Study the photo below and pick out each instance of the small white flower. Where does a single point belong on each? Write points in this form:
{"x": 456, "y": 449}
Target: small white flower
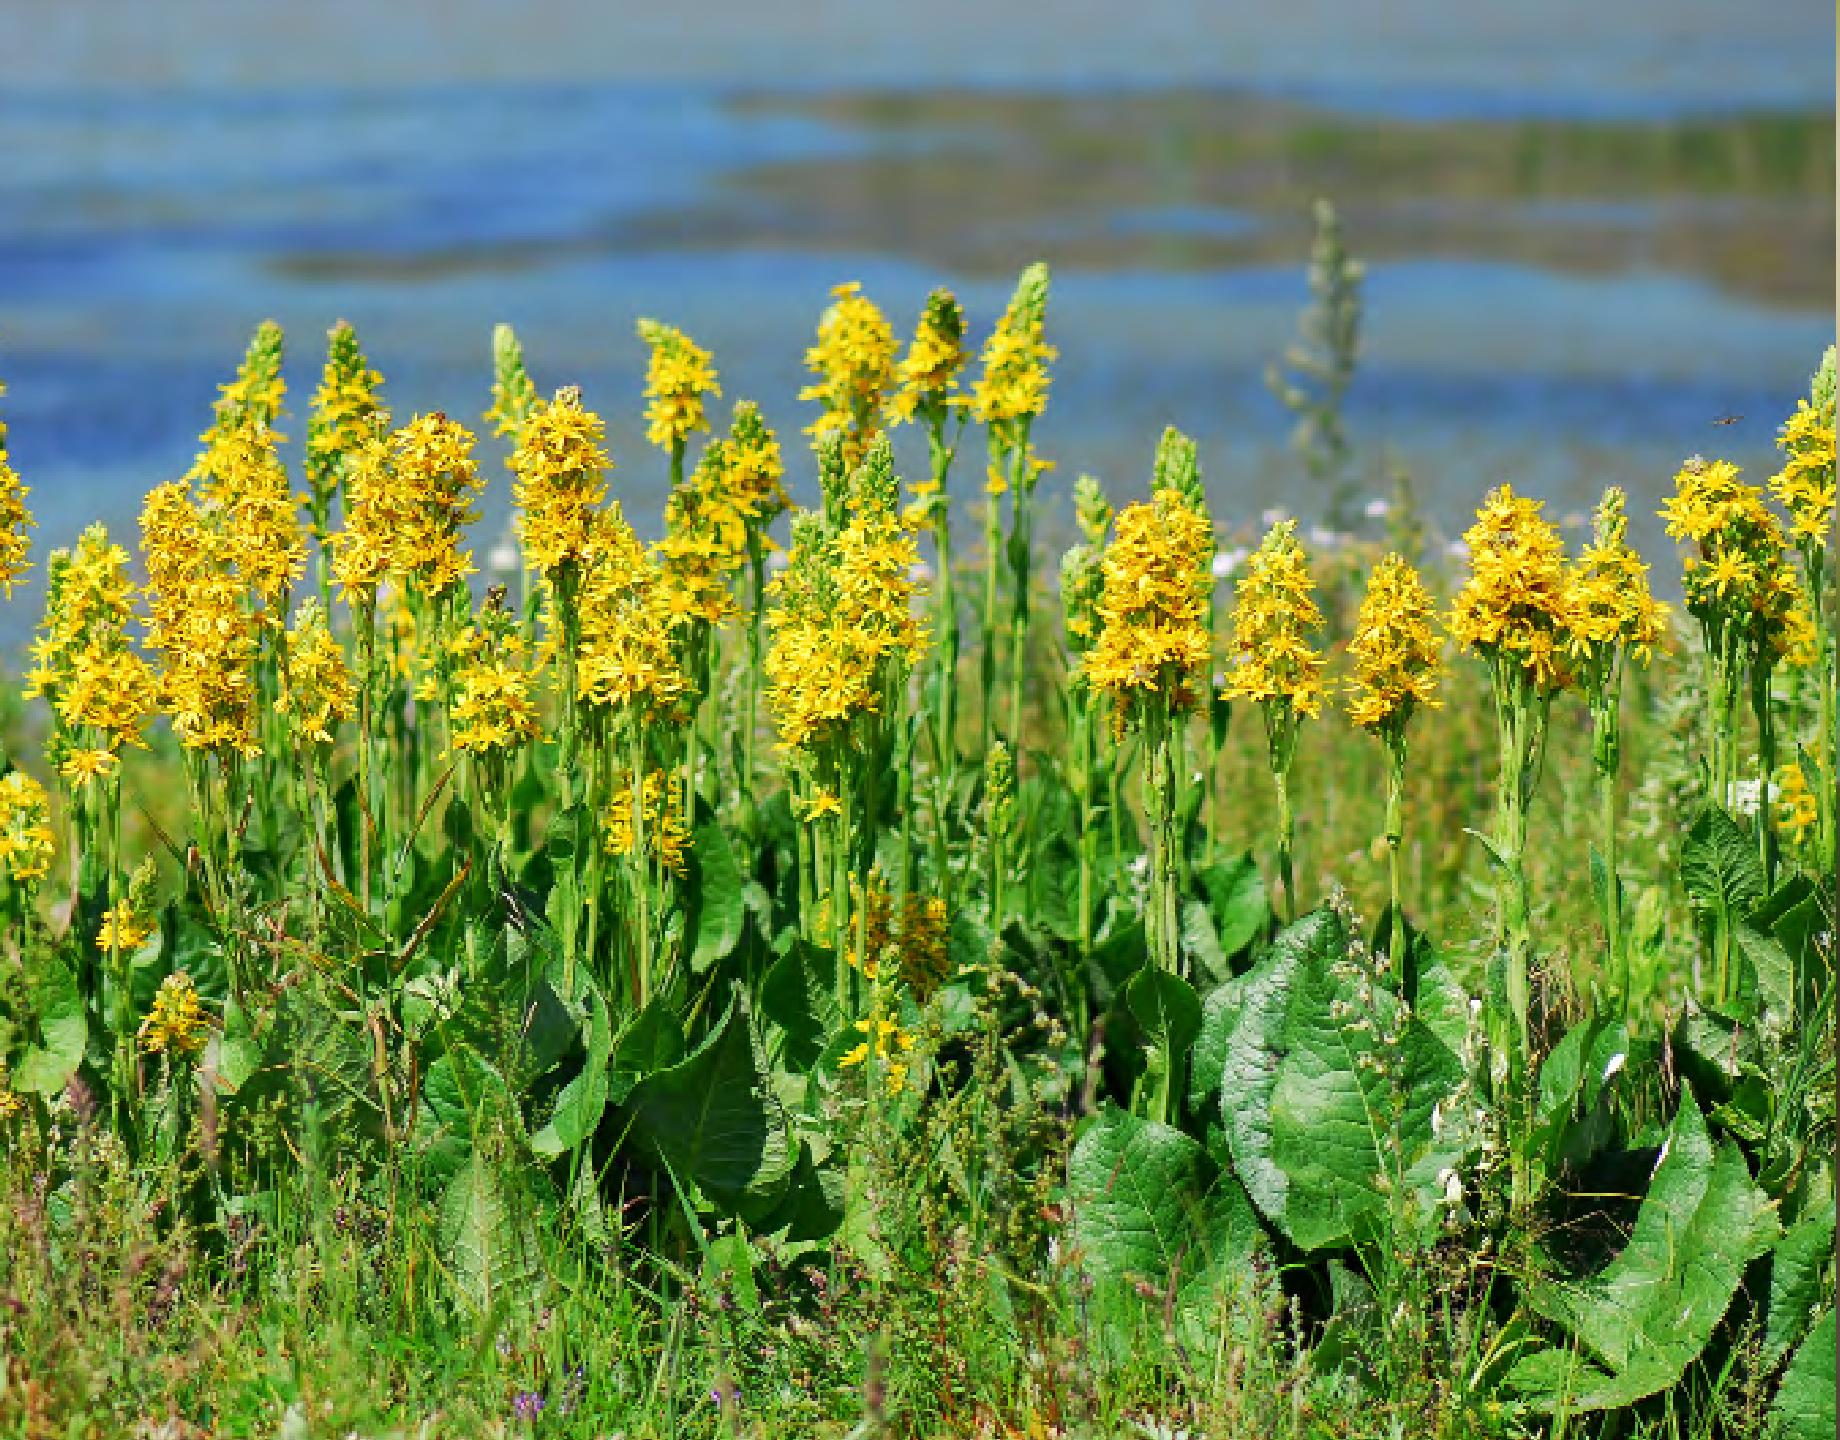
{"x": 1376, "y": 509}
{"x": 1457, "y": 550}
{"x": 504, "y": 559}
{"x": 1323, "y": 538}
{"x": 1274, "y": 516}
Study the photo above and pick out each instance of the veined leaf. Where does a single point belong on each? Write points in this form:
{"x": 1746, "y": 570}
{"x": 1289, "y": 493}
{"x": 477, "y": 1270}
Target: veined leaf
{"x": 57, "y": 1007}
{"x": 1208, "y": 1059}
{"x": 719, "y": 905}
{"x": 1257, "y": 1046}
{"x": 1802, "y": 1258}
{"x": 1719, "y": 865}
{"x": 1647, "y": 1315}
{"x": 1167, "y": 1008}
{"x": 715, "y": 1119}
{"x": 1805, "y": 1401}
{"x": 583, "y": 1100}
{"x": 490, "y": 1247}
{"x": 1237, "y": 902}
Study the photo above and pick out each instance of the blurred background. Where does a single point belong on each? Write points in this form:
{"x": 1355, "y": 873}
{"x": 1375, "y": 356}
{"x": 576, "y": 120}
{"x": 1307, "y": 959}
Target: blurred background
{"x": 1591, "y": 229}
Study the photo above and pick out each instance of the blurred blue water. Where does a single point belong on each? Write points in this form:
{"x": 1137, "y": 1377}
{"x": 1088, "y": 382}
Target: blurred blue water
{"x": 165, "y": 190}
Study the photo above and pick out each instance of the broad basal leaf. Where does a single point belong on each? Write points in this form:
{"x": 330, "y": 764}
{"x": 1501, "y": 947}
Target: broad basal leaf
{"x": 488, "y": 1244}
{"x": 1805, "y": 1401}
{"x": 714, "y": 1118}
{"x": 1646, "y": 1316}
{"x": 718, "y": 905}
{"x": 57, "y": 1014}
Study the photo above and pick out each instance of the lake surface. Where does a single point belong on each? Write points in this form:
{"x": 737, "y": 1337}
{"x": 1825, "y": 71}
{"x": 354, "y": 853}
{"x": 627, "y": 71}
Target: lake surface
{"x": 1591, "y": 230}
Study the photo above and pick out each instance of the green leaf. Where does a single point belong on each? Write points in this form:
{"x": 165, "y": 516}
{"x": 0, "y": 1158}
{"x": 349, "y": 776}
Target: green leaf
{"x": 714, "y": 1118}
{"x": 1648, "y": 1314}
{"x": 1797, "y": 1269}
{"x": 719, "y": 905}
{"x": 1257, "y": 1044}
{"x": 583, "y": 1100}
{"x": 1208, "y": 1059}
{"x": 1149, "y": 1207}
{"x": 1769, "y": 970}
{"x": 1719, "y": 865}
{"x": 1167, "y": 1008}
{"x": 1201, "y": 944}
{"x": 1236, "y": 896}
{"x": 651, "y": 1041}
{"x": 57, "y": 1010}
{"x": 798, "y": 997}
{"x": 489, "y": 1246}
{"x": 1805, "y": 1401}
{"x": 1363, "y": 1123}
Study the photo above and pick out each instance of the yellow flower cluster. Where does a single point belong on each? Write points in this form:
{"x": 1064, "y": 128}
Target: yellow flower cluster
{"x": 1806, "y": 485}
{"x": 27, "y": 845}
{"x": 627, "y": 661}
{"x": 199, "y": 626}
{"x": 928, "y": 373}
{"x": 492, "y": 709}
{"x": 677, "y": 377}
{"x": 1516, "y": 606}
{"x": 1274, "y": 615}
{"x": 667, "y": 839}
{"x": 408, "y": 498}
{"x": 704, "y": 544}
{"x": 99, "y": 686}
{"x": 756, "y": 477}
{"x": 317, "y": 691}
{"x": 888, "y": 1042}
{"x": 561, "y": 469}
{"x": 1153, "y": 606}
{"x": 124, "y": 929}
{"x": 1014, "y": 385}
{"x": 514, "y": 395}
{"x": 1739, "y": 583}
{"x": 1396, "y": 650}
{"x": 10, "y": 1102}
{"x": 176, "y": 1026}
{"x": 245, "y": 498}
{"x": 1612, "y": 609}
{"x": 854, "y": 363}
{"x": 912, "y": 937}
{"x": 346, "y": 414}
{"x": 15, "y": 519}
{"x": 1797, "y": 810}
{"x": 255, "y": 395}
{"x": 843, "y": 622}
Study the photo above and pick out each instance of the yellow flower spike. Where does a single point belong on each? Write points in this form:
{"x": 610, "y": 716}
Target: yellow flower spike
{"x": 1153, "y": 606}
{"x": 318, "y": 693}
{"x": 176, "y": 1027}
{"x": 514, "y": 394}
{"x": 27, "y": 845}
{"x": 123, "y": 929}
{"x": 561, "y": 468}
{"x": 627, "y": 660}
{"x": 928, "y": 374}
{"x": 1274, "y": 615}
{"x": 1517, "y": 601}
{"x": 15, "y": 520}
{"x": 436, "y": 488}
{"x": 667, "y": 837}
{"x": 1014, "y": 382}
{"x": 1396, "y": 649}
{"x": 678, "y": 375}
{"x": 854, "y": 365}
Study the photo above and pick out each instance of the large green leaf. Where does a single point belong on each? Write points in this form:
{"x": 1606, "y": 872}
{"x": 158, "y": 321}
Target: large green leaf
{"x": 1805, "y": 1402}
{"x": 487, "y": 1243}
{"x": 57, "y": 1011}
{"x": 1363, "y": 1123}
{"x": 1208, "y": 1059}
{"x": 1256, "y": 1047}
{"x": 1798, "y": 1269}
{"x": 1149, "y": 1208}
{"x": 1648, "y": 1314}
{"x": 1719, "y": 865}
{"x": 718, "y": 905}
{"x": 715, "y": 1120}
{"x": 798, "y": 996}
{"x": 1237, "y": 901}
{"x": 583, "y": 1100}
{"x": 1167, "y": 1008}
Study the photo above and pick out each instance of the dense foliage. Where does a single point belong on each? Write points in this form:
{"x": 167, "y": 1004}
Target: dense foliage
{"x": 792, "y": 978}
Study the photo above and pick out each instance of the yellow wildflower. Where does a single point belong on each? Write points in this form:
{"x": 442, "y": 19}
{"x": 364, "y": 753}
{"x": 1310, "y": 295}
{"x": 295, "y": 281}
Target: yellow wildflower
{"x": 1395, "y": 648}
{"x": 176, "y": 1026}
{"x": 346, "y": 415}
{"x": 1612, "y": 608}
{"x": 854, "y": 363}
{"x": 887, "y": 1042}
{"x": 1014, "y": 385}
{"x": 1153, "y": 606}
{"x": 677, "y": 377}
{"x": 436, "y": 488}
{"x": 317, "y": 690}
{"x": 1797, "y": 811}
{"x": 27, "y": 845}
{"x": 15, "y": 519}
{"x": 1739, "y": 583}
{"x": 928, "y": 373}
{"x": 1274, "y": 615}
{"x": 561, "y": 469}
{"x": 1516, "y": 605}
{"x": 667, "y": 838}
{"x": 1805, "y": 485}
